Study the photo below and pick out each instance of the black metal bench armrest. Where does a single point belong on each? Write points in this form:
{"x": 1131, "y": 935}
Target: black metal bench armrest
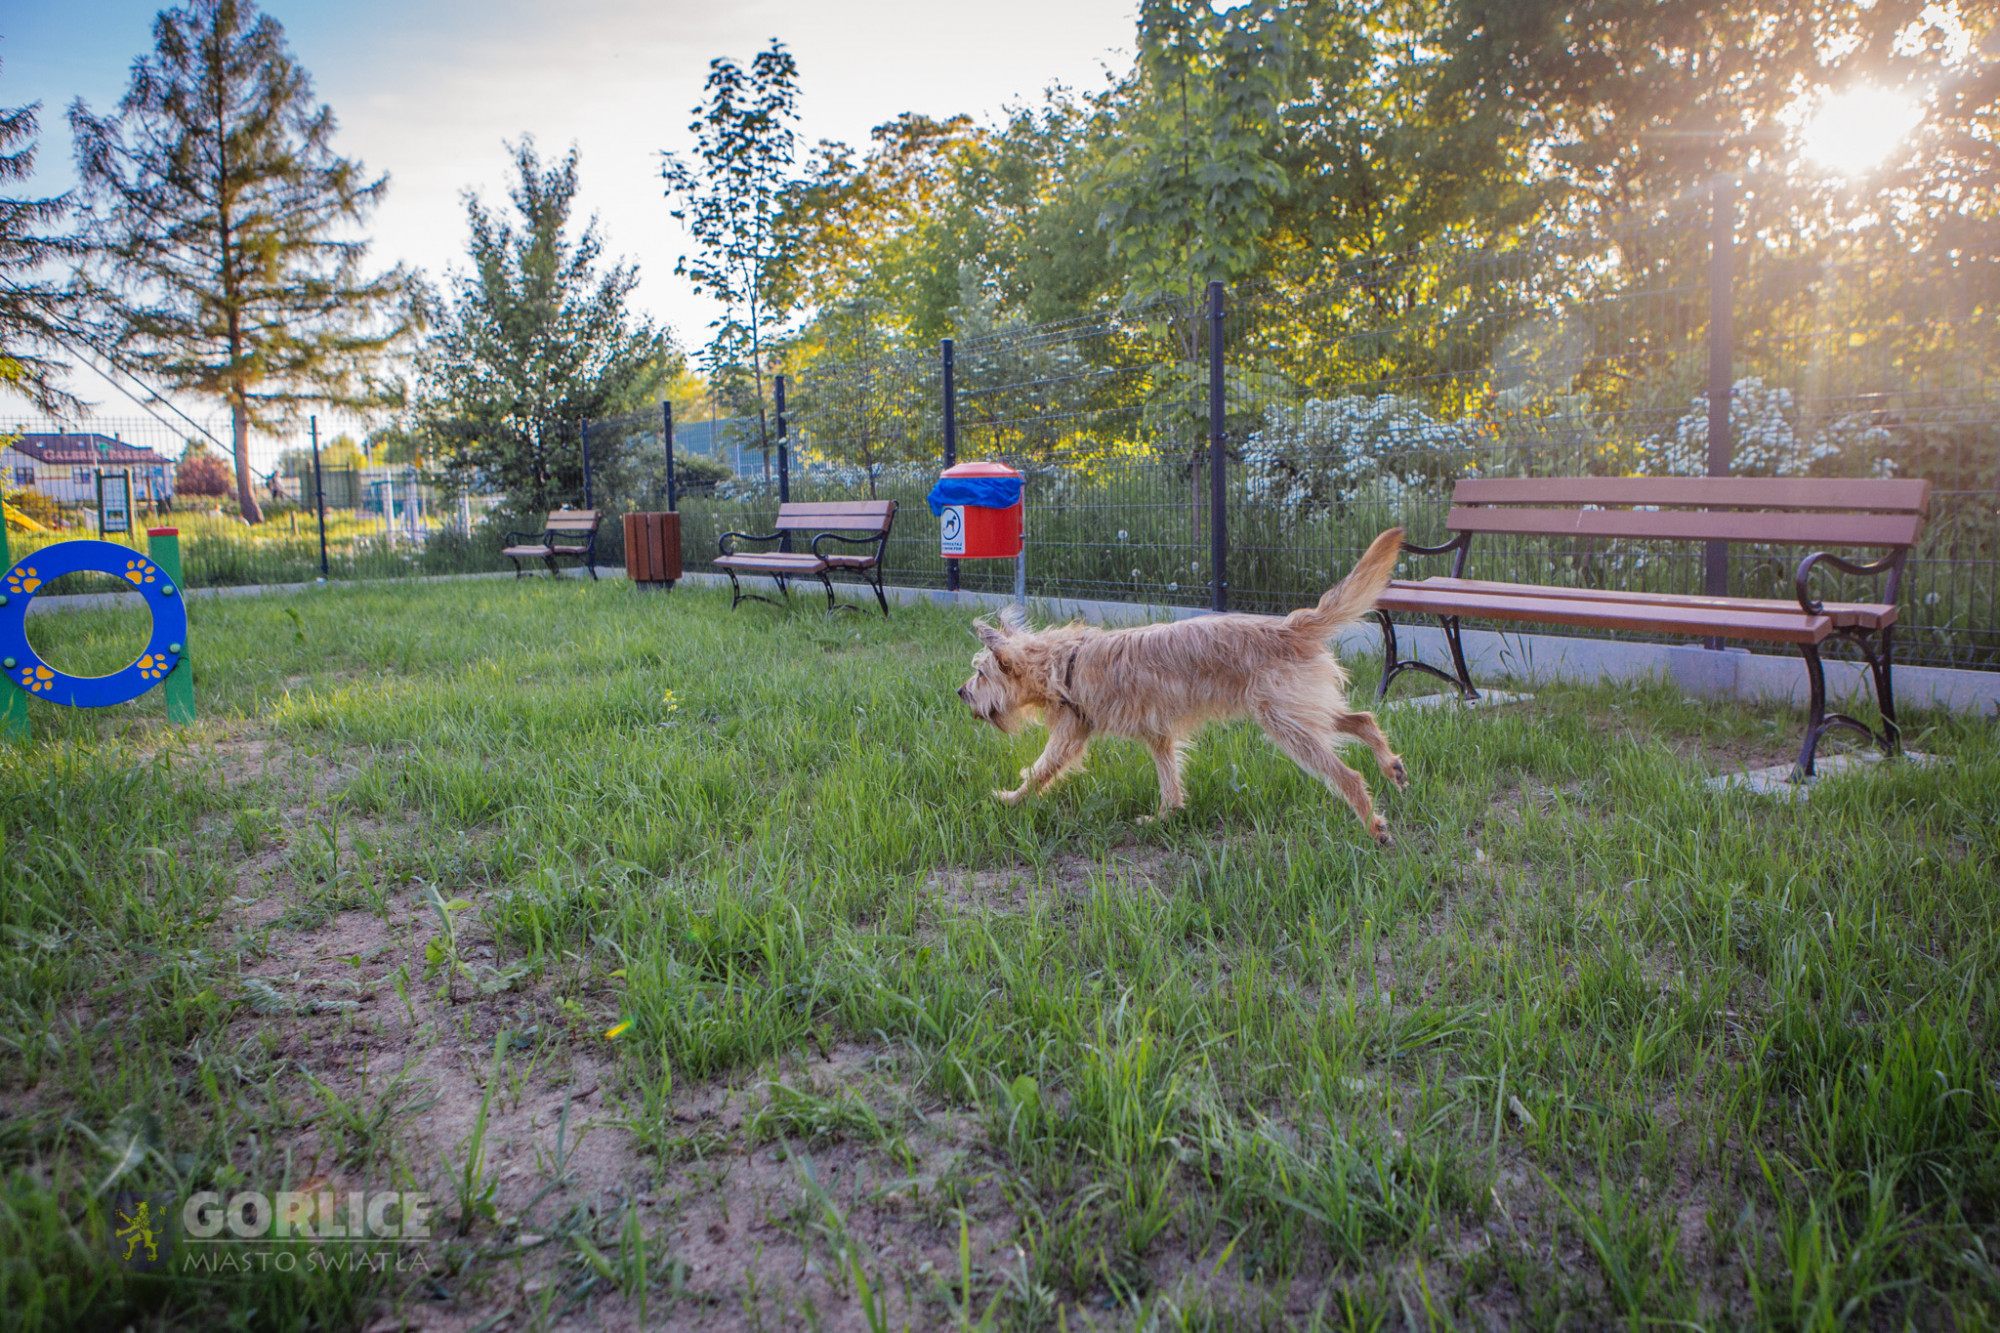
{"x": 1891, "y": 565}
{"x": 542, "y": 537}
{"x": 1462, "y": 544}
{"x": 723, "y": 540}
{"x": 877, "y": 539}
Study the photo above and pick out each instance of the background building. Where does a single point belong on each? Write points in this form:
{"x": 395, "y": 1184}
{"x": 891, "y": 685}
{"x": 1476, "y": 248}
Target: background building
{"x": 64, "y": 467}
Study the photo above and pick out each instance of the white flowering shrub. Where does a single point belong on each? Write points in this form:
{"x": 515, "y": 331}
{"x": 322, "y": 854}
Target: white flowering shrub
{"x": 1533, "y": 432}
{"x": 1325, "y": 453}
{"x": 1767, "y": 441}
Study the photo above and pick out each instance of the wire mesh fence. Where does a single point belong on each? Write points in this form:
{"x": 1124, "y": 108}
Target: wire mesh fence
{"x": 379, "y": 520}
{"x": 1348, "y": 404}
{"x": 1353, "y": 404}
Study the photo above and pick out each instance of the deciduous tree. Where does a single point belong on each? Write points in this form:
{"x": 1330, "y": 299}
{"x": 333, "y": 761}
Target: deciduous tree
{"x": 532, "y": 338}
{"x": 730, "y": 196}
{"x": 201, "y": 471}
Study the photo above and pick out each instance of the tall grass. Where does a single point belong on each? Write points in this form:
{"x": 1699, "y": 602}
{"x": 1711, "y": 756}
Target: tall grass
{"x": 1593, "y": 1045}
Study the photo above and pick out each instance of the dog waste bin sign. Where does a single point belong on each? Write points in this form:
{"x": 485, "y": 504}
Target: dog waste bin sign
{"x": 978, "y": 508}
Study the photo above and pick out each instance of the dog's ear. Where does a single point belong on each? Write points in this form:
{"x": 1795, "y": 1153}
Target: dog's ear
{"x": 1000, "y": 645}
{"x": 1013, "y": 620}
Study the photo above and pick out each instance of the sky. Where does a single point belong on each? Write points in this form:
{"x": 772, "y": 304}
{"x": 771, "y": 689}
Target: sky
{"x": 429, "y": 91}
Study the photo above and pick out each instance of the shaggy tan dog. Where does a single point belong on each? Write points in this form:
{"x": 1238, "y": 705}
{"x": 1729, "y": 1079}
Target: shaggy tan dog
{"x": 1162, "y": 683}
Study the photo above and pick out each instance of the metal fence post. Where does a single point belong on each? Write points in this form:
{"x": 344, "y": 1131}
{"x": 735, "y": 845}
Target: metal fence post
{"x": 667, "y": 423}
{"x": 584, "y": 427}
{"x": 1218, "y": 459}
{"x": 947, "y": 354}
{"x": 784, "y": 455}
{"x": 1721, "y": 243}
{"x": 319, "y": 496}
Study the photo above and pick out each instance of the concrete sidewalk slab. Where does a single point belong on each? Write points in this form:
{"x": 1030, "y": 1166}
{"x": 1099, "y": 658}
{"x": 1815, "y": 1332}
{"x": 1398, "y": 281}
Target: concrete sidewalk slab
{"x": 1777, "y": 779}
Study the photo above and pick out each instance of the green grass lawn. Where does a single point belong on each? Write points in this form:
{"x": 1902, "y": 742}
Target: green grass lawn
{"x": 1592, "y": 1045}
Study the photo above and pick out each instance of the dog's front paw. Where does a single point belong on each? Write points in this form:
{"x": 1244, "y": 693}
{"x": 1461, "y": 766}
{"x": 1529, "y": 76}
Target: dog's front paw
{"x": 1399, "y": 774}
{"x": 1007, "y": 797}
{"x": 1380, "y": 828}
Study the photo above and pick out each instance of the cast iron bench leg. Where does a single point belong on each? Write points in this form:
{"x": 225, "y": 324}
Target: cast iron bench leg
{"x": 1885, "y": 693}
{"x": 1818, "y": 721}
{"x": 1392, "y": 667}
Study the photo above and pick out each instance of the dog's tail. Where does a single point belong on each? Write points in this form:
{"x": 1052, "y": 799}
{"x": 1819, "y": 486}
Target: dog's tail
{"x": 1351, "y": 598}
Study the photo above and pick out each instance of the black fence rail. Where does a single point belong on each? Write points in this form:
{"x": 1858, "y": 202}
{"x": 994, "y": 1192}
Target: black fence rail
{"x": 346, "y": 518}
{"x": 1685, "y": 343}
{"x": 1239, "y": 449}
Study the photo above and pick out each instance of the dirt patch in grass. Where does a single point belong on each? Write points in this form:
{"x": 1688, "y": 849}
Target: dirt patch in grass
{"x": 1069, "y": 880}
{"x": 757, "y": 1201}
{"x": 832, "y": 1162}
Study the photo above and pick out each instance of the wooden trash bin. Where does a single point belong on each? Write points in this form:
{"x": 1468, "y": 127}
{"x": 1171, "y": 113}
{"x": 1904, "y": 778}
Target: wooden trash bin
{"x": 653, "y": 550}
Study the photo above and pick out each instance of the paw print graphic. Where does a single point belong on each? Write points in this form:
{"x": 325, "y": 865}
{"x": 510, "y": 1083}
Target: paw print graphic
{"x": 139, "y": 571}
{"x": 37, "y": 680}
{"x": 154, "y": 665}
{"x": 22, "y": 579}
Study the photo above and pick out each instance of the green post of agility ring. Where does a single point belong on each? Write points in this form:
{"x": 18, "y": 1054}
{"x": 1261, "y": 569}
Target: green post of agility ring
{"x": 165, "y": 546}
{"x": 155, "y": 577}
{"x": 14, "y": 724}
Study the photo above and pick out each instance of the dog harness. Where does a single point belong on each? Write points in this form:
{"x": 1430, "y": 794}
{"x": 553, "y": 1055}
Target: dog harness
{"x": 1069, "y": 683}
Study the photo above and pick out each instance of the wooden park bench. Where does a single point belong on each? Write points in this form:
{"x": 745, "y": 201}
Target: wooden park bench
{"x": 570, "y": 534}
{"x": 828, "y": 520}
{"x": 1885, "y": 516}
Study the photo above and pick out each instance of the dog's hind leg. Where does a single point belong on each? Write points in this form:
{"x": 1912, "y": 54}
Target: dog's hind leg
{"x": 1311, "y": 749}
{"x": 1364, "y": 728}
{"x": 1167, "y": 759}
{"x": 1068, "y": 740}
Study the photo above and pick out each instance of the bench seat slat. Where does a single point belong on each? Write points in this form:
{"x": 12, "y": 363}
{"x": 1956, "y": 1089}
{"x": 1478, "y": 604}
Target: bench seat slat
{"x": 1893, "y": 495}
{"x": 793, "y": 520}
{"x": 527, "y": 552}
{"x": 865, "y": 507}
{"x": 1777, "y": 529}
{"x": 779, "y": 561}
{"x": 1870, "y": 615}
{"x": 1658, "y": 618}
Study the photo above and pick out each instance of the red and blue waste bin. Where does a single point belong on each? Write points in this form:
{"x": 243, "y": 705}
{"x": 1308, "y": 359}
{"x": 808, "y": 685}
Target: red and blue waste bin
{"x": 978, "y": 507}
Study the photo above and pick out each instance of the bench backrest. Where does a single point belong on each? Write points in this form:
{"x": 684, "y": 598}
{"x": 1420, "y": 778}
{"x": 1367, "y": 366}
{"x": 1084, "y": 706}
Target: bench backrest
{"x": 578, "y": 521}
{"x": 836, "y": 516}
{"x": 1802, "y": 511}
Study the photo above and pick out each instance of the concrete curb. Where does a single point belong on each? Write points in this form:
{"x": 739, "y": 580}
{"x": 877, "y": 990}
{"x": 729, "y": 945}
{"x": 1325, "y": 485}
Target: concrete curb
{"x": 1491, "y": 655}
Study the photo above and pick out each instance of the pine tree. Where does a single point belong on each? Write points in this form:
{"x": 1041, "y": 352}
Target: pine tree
{"x": 32, "y": 323}
{"x": 225, "y": 221}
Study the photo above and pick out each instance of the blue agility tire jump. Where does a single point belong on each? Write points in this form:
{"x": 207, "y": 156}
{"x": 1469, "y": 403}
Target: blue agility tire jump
{"x": 25, "y": 667}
